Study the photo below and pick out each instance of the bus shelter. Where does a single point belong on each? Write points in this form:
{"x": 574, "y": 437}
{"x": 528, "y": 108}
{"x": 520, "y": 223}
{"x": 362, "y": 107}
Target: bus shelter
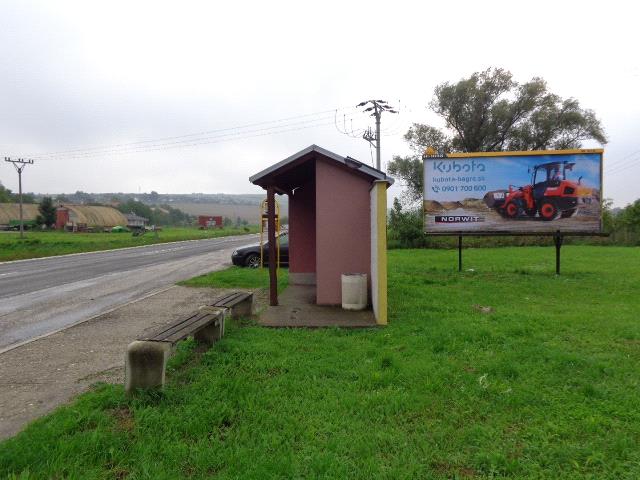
{"x": 337, "y": 224}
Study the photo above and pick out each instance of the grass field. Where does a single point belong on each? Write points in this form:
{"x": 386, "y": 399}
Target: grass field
{"x": 237, "y": 277}
{"x": 502, "y": 371}
{"x": 46, "y": 244}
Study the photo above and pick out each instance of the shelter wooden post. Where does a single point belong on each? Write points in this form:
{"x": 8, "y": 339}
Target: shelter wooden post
{"x": 271, "y": 227}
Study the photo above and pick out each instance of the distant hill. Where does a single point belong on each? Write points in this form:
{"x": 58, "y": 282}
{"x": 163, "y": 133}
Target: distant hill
{"x": 243, "y": 206}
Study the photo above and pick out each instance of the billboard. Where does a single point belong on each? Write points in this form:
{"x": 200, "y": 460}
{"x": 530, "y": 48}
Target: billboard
{"x": 518, "y": 192}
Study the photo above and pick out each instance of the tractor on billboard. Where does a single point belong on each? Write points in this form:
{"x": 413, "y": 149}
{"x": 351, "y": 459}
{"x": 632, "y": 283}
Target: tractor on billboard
{"x": 550, "y": 195}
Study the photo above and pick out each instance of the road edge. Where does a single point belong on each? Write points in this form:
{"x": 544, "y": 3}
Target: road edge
{"x": 84, "y": 320}
{"x": 7, "y": 262}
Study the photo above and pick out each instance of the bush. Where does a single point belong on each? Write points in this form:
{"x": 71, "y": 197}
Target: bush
{"x": 406, "y": 230}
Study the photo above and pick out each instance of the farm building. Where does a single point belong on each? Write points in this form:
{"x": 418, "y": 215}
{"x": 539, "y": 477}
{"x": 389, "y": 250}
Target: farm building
{"x": 10, "y": 214}
{"x": 208, "y": 221}
{"x": 88, "y": 216}
{"x": 136, "y": 221}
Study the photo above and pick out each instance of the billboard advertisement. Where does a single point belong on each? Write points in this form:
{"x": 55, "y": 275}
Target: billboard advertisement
{"x": 518, "y": 192}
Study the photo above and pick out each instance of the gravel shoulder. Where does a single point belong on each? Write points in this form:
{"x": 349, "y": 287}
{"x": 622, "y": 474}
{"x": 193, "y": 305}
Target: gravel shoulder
{"x": 37, "y": 377}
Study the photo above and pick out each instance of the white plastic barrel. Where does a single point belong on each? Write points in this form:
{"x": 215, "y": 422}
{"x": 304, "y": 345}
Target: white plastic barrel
{"x": 354, "y": 291}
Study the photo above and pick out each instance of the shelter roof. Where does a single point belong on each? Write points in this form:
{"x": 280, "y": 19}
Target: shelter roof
{"x": 268, "y": 175}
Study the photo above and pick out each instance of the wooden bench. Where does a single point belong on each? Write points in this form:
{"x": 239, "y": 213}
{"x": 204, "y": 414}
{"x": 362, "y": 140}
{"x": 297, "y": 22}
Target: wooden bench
{"x": 146, "y": 359}
{"x": 240, "y": 303}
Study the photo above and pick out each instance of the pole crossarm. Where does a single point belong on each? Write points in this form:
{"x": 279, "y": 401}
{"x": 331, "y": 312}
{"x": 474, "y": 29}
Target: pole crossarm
{"x": 377, "y": 108}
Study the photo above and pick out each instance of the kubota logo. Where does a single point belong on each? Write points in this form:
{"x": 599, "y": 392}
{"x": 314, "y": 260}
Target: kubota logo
{"x": 448, "y": 166}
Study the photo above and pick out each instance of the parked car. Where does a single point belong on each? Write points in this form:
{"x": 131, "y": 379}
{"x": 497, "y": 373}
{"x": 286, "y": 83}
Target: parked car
{"x": 249, "y": 256}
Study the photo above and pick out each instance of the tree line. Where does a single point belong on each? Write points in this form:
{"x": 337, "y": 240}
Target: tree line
{"x": 406, "y": 230}
{"x": 7, "y": 196}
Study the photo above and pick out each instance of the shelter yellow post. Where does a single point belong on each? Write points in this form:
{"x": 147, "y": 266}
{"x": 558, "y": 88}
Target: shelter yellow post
{"x": 379, "y": 250}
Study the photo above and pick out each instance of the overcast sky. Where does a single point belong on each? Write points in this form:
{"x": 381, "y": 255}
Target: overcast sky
{"x": 90, "y": 78}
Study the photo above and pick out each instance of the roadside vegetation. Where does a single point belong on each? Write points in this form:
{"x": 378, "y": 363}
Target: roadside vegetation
{"x": 238, "y": 277}
{"x": 502, "y": 371}
{"x": 406, "y": 230}
{"x": 49, "y": 243}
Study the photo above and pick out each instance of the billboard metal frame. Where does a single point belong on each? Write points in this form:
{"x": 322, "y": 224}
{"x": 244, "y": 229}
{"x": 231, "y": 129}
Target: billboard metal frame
{"x": 558, "y": 235}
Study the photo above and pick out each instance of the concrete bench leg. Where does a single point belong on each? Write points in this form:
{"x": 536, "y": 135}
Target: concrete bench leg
{"x": 212, "y": 332}
{"x": 145, "y": 365}
{"x": 245, "y": 308}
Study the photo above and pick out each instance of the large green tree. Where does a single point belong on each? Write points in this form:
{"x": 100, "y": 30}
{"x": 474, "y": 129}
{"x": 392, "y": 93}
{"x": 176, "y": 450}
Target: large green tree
{"x": 490, "y": 111}
{"x": 47, "y": 211}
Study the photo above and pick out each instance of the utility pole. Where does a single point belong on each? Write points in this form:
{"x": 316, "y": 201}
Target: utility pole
{"x": 376, "y": 107}
{"x": 19, "y": 164}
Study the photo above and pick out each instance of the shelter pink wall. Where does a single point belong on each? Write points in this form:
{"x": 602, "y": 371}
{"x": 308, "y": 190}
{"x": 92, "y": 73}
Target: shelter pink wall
{"x": 302, "y": 229}
{"x": 343, "y": 243}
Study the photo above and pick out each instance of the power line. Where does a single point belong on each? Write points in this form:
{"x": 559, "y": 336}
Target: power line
{"x": 287, "y": 127}
{"x": 187, "y": 142}
{"x": 617, "y": 163}
{"x": 622, "y": 164}
{"x": 349, "y": 132}
{"x": 187, "y": 136}
{"x": 635, "y": 162}
{"x": 396, "y": 126}
{"x": 624, "y": 161}
{"x": 211, "y": 141}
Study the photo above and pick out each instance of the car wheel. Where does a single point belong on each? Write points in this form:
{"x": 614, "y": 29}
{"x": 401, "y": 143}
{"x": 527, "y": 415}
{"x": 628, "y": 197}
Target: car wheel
{"x": 252, "y": 260}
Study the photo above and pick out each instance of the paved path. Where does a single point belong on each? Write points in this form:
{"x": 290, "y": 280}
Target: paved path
{"x": 42, "y": 296}
{"x": 38, "y": 377}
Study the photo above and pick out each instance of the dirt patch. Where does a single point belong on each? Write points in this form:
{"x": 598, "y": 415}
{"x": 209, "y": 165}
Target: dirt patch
{"x": 124, "y": 418}
{"x": 453, "y": 471}
{"x": 39, "y": 376}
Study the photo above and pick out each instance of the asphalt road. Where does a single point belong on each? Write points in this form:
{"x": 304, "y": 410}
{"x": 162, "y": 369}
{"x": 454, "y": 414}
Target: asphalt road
{"x": 41, "y": 296}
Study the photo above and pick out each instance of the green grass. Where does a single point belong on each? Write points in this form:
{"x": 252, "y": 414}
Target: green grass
{"x": 546, "y": 385}
{"x": 45, "y": 244}
{"x": 238, "y": 277}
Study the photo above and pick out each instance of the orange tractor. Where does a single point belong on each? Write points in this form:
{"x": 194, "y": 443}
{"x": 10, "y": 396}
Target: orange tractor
{"x": 550, "y": 194}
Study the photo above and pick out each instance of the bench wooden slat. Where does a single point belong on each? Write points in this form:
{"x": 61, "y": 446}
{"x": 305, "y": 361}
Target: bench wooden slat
{"x": 186, "y": 331}
{"x": 190, "y": 324}
{"x": 182, "y": 328}
{"x": 167, "y": 329}
{"x": 232, "y": 299}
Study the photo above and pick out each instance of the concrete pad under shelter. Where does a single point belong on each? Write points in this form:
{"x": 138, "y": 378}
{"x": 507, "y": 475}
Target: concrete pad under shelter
{"x": 297, "y": 308}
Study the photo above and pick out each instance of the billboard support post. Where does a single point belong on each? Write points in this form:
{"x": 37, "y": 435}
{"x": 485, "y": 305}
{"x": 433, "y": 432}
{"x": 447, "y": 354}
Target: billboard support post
{"x": 557, "y": 240}
{"x": 459, "y": 253}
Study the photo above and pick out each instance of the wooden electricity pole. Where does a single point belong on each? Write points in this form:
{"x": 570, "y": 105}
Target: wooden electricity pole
{"x": 376, "y": 108}
{"x": 19, "y": 164}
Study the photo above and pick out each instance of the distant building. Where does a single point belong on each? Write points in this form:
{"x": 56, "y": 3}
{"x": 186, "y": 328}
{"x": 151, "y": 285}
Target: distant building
{"x": 136, "y": 221}
{"x": 10, "y": 214}
{"x": 83, "y": 217}
{"x": 207, "y": 221}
